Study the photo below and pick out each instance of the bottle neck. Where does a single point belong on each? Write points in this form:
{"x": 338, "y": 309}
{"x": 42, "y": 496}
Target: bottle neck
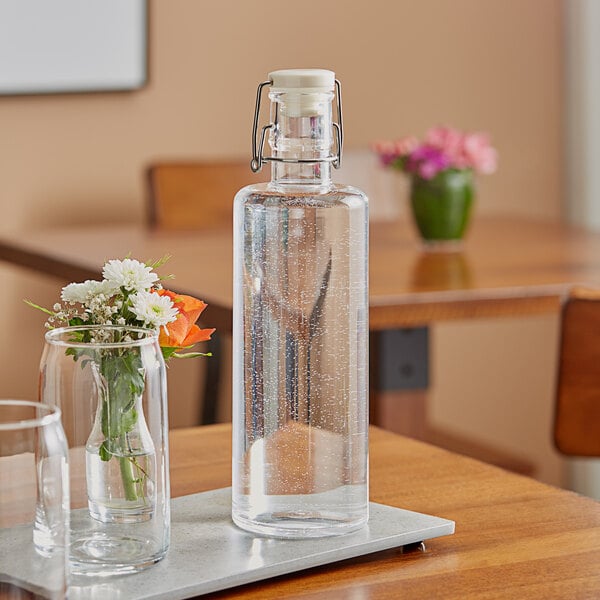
{"x": 301, "y": 137}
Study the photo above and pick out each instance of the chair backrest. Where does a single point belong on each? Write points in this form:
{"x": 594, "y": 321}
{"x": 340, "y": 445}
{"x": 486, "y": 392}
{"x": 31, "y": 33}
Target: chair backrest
{"x": 577, "y": 415}
{"x": 196, "y": 195}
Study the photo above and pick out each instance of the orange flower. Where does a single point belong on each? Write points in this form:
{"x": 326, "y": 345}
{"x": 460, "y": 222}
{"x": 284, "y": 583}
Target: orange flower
{"x": 183, "y": 332}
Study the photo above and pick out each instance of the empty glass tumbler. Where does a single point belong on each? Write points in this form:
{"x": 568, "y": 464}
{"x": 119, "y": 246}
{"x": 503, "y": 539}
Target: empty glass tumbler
{"x": 110, "y": 384}
{"x": 300, "y": 419}
{"x": 34, "y": 502}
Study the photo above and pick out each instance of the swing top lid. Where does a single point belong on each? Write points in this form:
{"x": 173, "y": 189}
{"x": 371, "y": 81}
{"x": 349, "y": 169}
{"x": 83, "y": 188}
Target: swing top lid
{"x": 303, "y": 80}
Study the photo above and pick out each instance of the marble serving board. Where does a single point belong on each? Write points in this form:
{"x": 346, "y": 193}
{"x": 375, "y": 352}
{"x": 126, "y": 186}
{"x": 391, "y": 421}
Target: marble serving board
{"x": 209, "y": 553}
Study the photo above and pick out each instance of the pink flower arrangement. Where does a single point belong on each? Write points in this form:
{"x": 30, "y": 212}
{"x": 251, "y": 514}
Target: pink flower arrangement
{"x": 443, "y": 149}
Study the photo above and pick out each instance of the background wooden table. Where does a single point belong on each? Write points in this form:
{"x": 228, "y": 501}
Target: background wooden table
{"x": 508, "y": 267}
{"x": 515, "y": 538}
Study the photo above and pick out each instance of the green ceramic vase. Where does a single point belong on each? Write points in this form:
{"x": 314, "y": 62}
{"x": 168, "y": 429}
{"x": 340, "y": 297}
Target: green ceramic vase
{"x": 441, "y": 206}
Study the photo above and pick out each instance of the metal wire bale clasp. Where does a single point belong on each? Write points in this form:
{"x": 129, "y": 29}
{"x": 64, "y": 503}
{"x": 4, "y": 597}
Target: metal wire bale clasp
{"x": 258, "y": 158}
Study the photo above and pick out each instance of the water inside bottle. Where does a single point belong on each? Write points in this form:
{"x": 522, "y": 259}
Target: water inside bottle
{"x": 300, "y": 380}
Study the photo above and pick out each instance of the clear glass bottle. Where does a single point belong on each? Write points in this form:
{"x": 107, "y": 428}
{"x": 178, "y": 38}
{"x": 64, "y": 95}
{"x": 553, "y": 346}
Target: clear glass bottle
{"x": 300, "y": 414}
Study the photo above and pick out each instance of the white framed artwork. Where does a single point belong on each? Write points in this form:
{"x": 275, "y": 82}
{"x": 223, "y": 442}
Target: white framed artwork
{"x": 72, "y": 46}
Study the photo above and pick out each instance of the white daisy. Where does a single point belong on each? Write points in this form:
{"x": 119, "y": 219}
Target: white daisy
{"x": 154, "y": 310}
{"x": 130, "y": 274}
{"x": 75, "y": 292}
{"x": 84, "y": 292}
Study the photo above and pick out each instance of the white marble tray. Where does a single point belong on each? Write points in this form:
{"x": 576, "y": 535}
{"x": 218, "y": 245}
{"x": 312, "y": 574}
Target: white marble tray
{"x": 208, "y": 553}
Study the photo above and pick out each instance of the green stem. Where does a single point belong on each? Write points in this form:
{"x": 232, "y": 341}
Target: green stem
{"x": 128, "y": 477}
{"x": 121, "y": 384}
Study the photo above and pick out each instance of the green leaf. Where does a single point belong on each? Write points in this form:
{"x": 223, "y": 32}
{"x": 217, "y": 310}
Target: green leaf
{"x": 44, "y": 310}
{"x": 104, "y": 453}
{"x": 168, "y": 351}
{"x": 155, "y": 264}
{"x": 77, "y": 353}
{"x": 190, "y": 354}
{"x": 124, "y": 375}
{"x": 76, "y": 321}
{"x": 173, "y": 352}
{"x": 128, "y": 421}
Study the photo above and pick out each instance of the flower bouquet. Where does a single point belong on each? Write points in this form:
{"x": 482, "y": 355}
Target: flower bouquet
{"x": 441, "y": 169}
{"x": 106, "y": 327}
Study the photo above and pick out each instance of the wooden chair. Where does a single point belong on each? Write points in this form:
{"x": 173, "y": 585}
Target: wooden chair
{"x": 197, "y": 196}
{"x": 577, "y": 414}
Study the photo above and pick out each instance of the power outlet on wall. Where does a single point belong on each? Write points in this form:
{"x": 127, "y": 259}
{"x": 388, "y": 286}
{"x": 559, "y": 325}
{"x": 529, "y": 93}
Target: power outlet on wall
{"x": 404, "y": 359}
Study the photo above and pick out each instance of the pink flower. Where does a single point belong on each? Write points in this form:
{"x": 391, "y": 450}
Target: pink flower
{"x": 383, "y": 146}
{"x": 465, "y": 150}
{"x": 479, "y": 153}
{"x": 386, "y": 151}
{"x": 405, "y": 145}
{"x": 450, "y": 142}
{"x": 390, "y": 151}
{"x": 443, "y": 148}
{"x": 447, "y": 139}
{"x": 427, "y": 161}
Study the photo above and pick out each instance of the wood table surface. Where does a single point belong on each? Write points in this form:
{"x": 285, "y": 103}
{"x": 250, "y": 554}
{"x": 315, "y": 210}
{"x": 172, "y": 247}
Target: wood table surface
{"x": 508, "y": 266}
{"x": 515, "y": 538}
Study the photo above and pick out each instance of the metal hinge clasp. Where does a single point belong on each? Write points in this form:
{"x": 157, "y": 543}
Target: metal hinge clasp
{"x": 258, "y": 157}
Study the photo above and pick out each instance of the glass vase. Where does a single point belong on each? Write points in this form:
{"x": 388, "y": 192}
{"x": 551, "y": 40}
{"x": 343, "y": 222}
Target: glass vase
{"x": 441, "y": 206}
{"x": 34, "y": 501}
{"x": 110, "y": 384}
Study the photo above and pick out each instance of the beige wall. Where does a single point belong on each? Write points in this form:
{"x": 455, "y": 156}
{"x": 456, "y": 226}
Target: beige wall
{"x": 405, "y": 65}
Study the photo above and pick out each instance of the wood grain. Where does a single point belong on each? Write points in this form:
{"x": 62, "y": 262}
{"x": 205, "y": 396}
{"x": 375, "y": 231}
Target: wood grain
{"x": 508, "y": 267}
{"x": 515, "y": 538}
{"x": 577, "y": 415}
{"x": 195, "y": 195}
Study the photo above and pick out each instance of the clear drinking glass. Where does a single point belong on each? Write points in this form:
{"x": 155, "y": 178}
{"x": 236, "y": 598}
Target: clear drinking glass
{"x": 110, "y": 384}
{"x": 34, "y": 502}
{"x": 300, "y": 330}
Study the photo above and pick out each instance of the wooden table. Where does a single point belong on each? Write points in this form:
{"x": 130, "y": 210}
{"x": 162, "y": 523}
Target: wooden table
{"x": 508, "y": 267}
{"x": 515, "y": 538}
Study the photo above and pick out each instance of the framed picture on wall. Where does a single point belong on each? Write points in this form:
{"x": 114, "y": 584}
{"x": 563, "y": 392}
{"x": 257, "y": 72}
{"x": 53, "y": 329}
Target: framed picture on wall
{"x": 72, "y": 46}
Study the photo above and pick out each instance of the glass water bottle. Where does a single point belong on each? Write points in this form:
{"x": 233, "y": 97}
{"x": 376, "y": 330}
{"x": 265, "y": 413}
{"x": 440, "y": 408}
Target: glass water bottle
{"x": 300, "y": 331}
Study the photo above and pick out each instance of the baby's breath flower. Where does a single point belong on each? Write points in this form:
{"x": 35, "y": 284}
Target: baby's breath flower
{"x": 63, "y": 316}
{"x": 130, "y": 274}
{"x": 153, "y": 310}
